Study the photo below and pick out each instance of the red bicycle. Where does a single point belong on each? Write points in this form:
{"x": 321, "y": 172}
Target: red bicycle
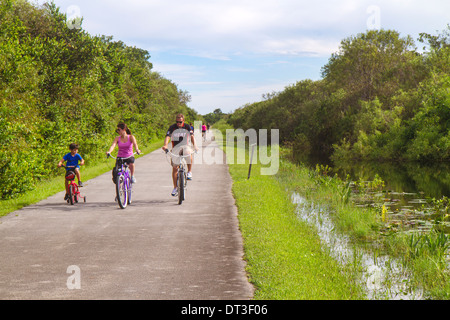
{"x": 74, "y": 193}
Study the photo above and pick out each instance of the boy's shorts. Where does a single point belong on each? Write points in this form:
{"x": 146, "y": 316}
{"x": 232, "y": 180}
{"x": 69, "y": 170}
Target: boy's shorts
{"x": 72, "y": 169}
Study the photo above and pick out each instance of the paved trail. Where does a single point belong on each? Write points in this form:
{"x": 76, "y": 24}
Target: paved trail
{"x": 154, "y": 249}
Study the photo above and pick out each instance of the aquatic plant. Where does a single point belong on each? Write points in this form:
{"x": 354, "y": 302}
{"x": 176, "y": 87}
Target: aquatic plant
{"x": 433, "y": 243}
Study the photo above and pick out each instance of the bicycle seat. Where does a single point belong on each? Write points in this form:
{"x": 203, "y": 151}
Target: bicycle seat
{"x": 70, "y": 175}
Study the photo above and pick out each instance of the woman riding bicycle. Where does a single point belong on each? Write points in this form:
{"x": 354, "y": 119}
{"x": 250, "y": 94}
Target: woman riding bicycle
{"x": 125, "y": 141}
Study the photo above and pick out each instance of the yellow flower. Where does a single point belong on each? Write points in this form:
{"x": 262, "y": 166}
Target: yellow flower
{"x": 383, "y": 213}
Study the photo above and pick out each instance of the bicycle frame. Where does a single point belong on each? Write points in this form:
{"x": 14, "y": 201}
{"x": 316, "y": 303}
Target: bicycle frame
{"x": 123, "y": 182}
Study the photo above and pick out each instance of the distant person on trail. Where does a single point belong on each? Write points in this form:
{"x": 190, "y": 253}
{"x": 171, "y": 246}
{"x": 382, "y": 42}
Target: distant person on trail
{"x": 204, "y": 132}
{"x": 72, "y": 159}
{"x": 208, "y": 126}
{"x": 179, "y": 133}
{"x": 125, "y": 141}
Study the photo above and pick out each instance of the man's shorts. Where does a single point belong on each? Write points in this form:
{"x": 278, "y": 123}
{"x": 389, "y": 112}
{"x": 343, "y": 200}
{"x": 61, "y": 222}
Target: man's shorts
{"x": 181, "y": 150}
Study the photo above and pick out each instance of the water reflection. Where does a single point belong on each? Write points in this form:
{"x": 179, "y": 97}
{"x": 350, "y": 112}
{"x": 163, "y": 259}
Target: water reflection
{"x": 383, "y": 276}
{"x": 431, "y": 181}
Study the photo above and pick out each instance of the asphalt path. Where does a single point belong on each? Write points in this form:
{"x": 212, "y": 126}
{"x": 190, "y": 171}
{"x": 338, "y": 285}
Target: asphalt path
{"x": 154, "y": 249}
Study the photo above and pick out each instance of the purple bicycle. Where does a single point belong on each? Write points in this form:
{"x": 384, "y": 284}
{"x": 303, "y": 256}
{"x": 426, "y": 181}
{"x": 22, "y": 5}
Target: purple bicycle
{"x": 122, "y": 179}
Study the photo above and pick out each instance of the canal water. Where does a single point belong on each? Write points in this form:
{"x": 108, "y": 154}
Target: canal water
{"x": 427, "y": 181}
{"x": 407, "y": 195}
{"x": 382, "y": 276}
{"x": 408, "y": 191}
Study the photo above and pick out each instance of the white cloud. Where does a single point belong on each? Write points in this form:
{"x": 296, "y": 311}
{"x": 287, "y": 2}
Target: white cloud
{"x": 236, "y": 95}
{"x": 226, "y": 25}
{"x": 203, "y": 45}
{"x": 180, "y": 73}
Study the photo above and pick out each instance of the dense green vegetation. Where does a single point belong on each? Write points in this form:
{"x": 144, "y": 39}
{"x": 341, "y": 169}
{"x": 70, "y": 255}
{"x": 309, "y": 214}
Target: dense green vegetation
{"x": 380, "y": 99}
{"x": 59, "y": 85}
{"x": 276, "y": 238}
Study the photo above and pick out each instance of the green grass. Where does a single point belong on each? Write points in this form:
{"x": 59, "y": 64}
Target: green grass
{"x": 284, "y": 256}
{"x": 285, "y": 260}
{"x": 359, "y": 223}
{"x": 56, "y": 184}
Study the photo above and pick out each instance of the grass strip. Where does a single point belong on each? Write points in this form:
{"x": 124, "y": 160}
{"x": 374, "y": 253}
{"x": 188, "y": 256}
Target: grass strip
{"x": 284, "y": 257}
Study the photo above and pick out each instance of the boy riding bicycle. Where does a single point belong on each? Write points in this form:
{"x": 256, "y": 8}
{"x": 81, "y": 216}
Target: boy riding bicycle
{"x": 72, "y": 159}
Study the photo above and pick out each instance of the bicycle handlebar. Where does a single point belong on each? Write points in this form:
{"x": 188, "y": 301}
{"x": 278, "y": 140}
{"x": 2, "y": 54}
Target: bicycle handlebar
{"x": 177, "y": 155}
{"x": 110, "y": 155}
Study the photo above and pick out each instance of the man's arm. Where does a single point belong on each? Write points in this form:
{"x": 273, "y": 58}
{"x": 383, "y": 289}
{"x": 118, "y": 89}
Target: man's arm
{"x": 166, "y": 142}
{"x": 193, "y": 141}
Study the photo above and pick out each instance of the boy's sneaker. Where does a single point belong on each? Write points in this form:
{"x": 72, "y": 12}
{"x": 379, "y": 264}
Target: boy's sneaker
{"x": 80, "y": 184}
{"x": 133, "y": 179}
{"x": 66, "y": 197}
{"x": 189, "y": 175}
{"x": 174, "y": 192}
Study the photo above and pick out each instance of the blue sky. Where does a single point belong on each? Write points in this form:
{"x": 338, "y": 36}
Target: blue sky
{"x": 227, "y": 53}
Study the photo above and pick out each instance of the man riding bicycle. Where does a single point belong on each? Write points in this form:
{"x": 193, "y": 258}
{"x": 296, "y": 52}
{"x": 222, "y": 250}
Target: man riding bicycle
{"x": 179, "y": 133}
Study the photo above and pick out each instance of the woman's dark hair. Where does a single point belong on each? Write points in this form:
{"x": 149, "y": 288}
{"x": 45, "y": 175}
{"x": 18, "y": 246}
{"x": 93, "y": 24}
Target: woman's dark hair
{"x": 123, "y": 126}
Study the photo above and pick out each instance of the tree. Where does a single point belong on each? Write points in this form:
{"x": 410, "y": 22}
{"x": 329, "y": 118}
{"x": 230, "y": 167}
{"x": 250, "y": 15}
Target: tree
{"x": 214, "y": 116}
{"x": 376, "y": 63}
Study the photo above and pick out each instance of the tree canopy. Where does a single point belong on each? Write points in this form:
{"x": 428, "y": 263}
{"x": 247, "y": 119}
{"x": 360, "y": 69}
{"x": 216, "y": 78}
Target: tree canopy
{"x": 379, "y": 99}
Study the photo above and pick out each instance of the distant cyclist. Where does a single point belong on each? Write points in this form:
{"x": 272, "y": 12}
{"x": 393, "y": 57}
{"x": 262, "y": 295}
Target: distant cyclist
{"x": 125, "y": 141}
{"x": 204, "y": 132}
{"x": 181, "y": 135}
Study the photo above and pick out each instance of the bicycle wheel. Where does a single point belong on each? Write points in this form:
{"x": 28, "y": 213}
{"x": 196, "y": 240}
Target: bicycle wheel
{"x": 180, "y": 186}
{"x": 71, "y": 194}
{"x": 121, "y": 191}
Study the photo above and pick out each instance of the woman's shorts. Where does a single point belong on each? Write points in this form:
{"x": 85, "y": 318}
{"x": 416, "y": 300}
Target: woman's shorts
{"x": 129, "y": 160}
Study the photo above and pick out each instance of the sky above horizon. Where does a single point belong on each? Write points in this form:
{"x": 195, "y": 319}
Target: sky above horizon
{"x": 228, "y": 53}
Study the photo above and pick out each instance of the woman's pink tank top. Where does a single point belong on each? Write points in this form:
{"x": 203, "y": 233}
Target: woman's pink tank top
{"x": 125, "y": 149}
